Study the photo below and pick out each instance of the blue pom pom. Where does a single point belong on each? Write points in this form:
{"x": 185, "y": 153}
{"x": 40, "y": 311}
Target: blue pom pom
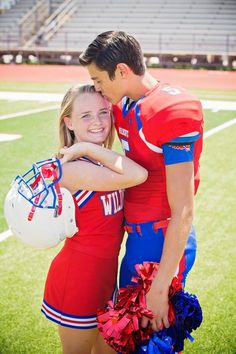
{"x": 188, "y": 315}
{"x": 159, "y": 343}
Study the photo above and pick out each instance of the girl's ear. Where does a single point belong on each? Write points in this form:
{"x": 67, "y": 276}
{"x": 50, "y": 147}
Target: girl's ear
{"x": 68, "y": 123}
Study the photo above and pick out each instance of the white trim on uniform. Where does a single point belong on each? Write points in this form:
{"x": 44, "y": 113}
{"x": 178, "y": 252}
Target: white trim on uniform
{"x": 149, "y": 145}
{"x": 83, "y": 322}
{"x": 189, "y": 135}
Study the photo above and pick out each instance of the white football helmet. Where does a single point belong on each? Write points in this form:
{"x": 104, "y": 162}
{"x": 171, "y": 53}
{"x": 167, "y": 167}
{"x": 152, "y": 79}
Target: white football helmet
{"x": 37, "y": 210}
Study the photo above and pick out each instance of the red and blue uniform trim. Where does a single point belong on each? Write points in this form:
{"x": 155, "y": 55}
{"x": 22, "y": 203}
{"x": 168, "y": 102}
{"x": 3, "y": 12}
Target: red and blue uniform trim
{"x": 82, "y": 197}
{"x": 63, "y": 319}
{"x": 180, "y": 149}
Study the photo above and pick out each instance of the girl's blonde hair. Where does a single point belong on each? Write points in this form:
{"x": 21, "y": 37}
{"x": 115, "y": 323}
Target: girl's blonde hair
{"x": 66, "y": 136}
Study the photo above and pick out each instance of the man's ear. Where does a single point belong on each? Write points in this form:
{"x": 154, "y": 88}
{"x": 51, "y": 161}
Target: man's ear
{"x": 123, "y": 70}
{"x": 68, "y": 123}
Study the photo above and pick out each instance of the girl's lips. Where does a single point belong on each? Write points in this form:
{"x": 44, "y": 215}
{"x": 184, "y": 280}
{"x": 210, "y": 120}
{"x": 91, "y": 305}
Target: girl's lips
{"x": 96, "y": 130}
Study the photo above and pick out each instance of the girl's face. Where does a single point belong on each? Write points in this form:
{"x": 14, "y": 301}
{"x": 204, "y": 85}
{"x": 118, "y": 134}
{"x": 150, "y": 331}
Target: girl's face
{"x": 90, "y": 118}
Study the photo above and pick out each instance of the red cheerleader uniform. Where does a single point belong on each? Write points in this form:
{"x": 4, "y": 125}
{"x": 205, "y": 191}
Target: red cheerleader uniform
{"x": 82, "y": 277}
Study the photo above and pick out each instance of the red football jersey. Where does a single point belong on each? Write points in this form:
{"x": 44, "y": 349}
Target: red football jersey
{"x": 143, "y": 126}
{"x": 99, "y": 217}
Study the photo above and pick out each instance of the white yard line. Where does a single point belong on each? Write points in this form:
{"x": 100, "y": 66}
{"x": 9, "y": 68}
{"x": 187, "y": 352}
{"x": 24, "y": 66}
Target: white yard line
{"x": 26, "y": 113}
{"x": 5, "y": 235}
{"x": 215, "y": 130}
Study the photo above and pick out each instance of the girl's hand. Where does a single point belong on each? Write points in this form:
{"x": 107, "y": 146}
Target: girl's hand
{"x": 73, "y": 152}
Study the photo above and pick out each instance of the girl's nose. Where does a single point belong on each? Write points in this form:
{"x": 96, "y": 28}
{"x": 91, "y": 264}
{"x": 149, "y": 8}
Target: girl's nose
{"x": 97, "y": 119}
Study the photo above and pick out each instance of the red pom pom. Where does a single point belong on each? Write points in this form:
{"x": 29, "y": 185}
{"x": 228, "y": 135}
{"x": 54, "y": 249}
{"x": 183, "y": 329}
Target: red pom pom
{"x": 119, "y": 322}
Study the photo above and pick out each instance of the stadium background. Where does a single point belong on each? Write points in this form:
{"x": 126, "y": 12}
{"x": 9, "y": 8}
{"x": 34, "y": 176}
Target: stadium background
{"x": 197, "y": 34}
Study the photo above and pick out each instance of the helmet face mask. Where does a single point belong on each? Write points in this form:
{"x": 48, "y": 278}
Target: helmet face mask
{"x": 39, "y": 181}
{"x": 37, "y": 210}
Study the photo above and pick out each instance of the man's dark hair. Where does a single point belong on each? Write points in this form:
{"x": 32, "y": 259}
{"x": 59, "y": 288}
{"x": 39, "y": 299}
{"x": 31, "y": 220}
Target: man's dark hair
{"x": 111, "y": 48}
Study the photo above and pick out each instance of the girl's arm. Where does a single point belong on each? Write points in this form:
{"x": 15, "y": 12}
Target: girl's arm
{"x": 117, "y": 172}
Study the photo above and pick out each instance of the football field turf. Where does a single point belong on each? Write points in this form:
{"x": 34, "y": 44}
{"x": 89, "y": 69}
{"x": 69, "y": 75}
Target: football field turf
{"x": 23, "y": 329}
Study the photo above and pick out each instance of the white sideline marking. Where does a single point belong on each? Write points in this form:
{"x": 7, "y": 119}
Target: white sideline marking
{"x": 209, "y": 133}
{"x": 31, "y": 96}
{"x": 25, "y": 113}
{"x": 219, "y": 105}
{"x": 9, "y": 137}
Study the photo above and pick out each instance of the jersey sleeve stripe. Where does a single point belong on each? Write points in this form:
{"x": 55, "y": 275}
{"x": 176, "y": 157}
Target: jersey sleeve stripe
{"x": 187, "y": 138}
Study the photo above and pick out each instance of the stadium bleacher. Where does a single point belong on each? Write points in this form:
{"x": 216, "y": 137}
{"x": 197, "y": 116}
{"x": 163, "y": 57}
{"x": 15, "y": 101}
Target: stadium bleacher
{"x": 10, "y": 22}
{"x": 6, "y": 5}
{"x": 190, "y": 28}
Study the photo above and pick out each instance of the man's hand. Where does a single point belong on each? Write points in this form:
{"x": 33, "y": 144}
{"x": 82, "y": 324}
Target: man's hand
{"x": 157, "y": 302}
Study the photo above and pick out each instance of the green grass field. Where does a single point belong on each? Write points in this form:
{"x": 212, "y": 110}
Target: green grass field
{"x": 23, "y": 270}
{"x": 9, "y": 107}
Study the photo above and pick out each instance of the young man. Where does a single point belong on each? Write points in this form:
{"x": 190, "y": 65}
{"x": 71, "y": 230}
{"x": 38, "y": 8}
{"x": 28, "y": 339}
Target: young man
{"x": 160, "y": 127}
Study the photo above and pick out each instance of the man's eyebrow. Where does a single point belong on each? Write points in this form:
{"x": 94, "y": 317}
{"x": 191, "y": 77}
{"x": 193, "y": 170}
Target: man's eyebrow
{"x": 94, "y": 78}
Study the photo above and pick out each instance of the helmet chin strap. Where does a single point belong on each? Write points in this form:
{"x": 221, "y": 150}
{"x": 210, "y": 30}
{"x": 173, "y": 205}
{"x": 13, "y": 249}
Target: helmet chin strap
{"x": 32, "y": 211}
{"x": 47, "y": 171}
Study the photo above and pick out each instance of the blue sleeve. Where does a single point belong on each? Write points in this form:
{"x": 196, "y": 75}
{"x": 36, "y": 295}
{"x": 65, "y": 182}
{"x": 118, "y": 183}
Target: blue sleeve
{"x": 180, "y": 149}
{"x": 174, "y": 153}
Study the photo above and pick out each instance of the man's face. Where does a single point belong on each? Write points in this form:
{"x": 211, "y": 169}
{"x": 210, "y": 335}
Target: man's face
{"x": 114, "y": 89}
